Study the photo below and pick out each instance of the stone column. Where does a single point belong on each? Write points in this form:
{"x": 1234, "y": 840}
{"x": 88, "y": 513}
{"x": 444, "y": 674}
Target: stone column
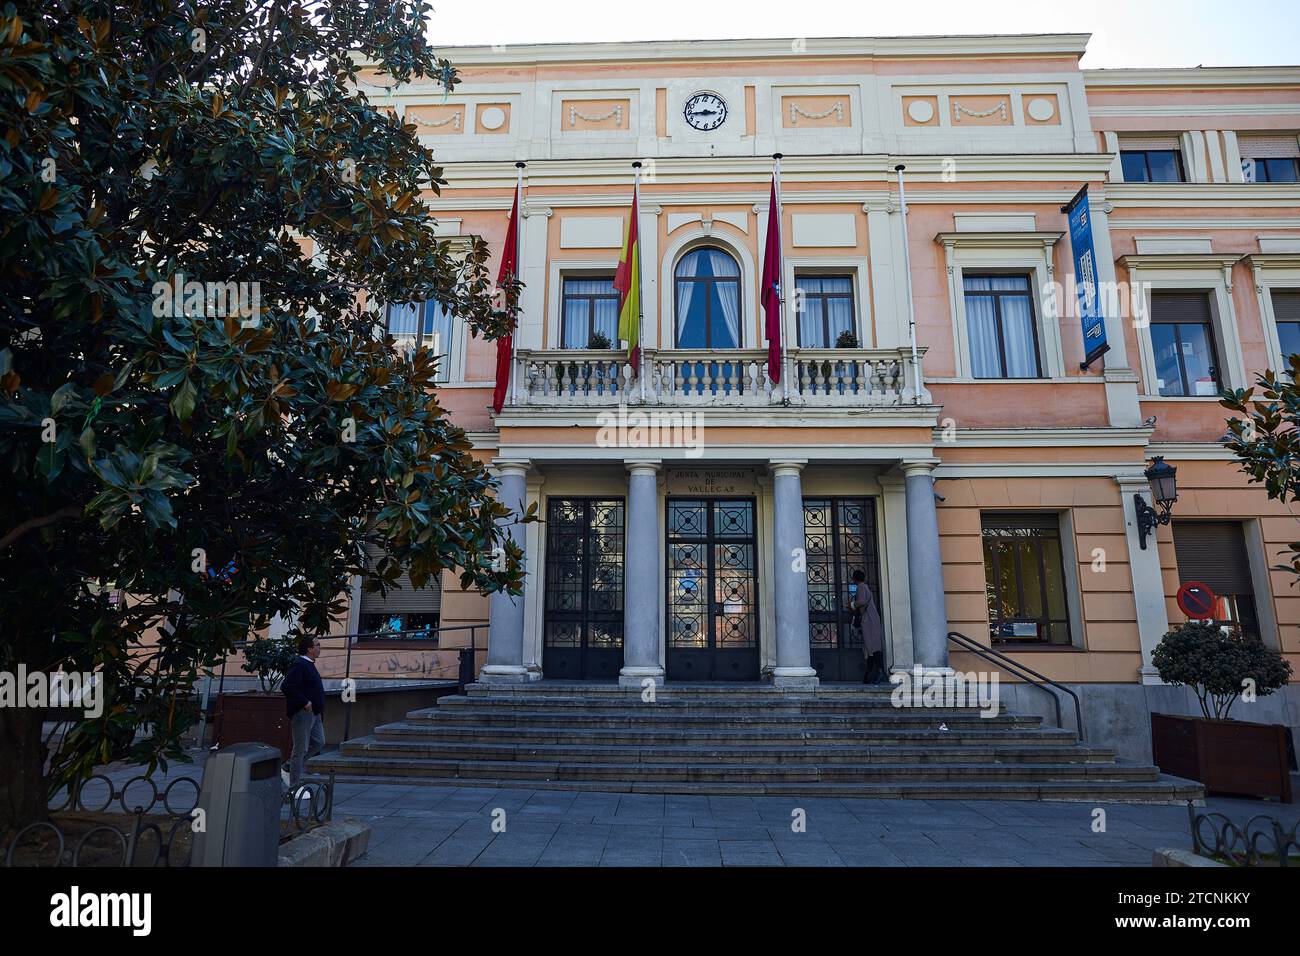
{"x": 790, "y": 585}
{"x": 925, "y": 569}
{"x": 641, "y": 595}
{"x": 1147, "y": 578}
{"x": 505, "y": 660}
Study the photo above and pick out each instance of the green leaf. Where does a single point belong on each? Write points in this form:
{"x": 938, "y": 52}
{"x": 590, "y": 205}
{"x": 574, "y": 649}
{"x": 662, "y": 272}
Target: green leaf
{"x": 182, "y": 403}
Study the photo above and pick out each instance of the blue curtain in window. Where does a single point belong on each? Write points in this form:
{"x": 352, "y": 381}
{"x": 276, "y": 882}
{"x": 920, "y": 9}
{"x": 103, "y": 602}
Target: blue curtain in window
{"x": 1018, "y": 337}
{"x": 714, "y": 302}
{"x": 981, "y": 331}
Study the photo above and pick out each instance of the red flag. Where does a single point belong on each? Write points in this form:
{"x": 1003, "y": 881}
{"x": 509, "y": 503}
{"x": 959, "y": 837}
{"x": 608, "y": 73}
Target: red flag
{"x": 770, "y": 294}
{"x": 505, "y": 344}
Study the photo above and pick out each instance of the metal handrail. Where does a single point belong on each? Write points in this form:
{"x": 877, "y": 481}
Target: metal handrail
{"x": 997, "y": 657}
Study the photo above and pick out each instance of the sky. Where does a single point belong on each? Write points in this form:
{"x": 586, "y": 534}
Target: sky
{"x": 1125, "y": 33}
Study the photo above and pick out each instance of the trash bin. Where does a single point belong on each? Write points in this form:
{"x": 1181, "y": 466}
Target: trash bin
{"x": 241, "y": 795}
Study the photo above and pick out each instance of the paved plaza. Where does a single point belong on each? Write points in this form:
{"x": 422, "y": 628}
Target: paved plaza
{"x": 485, "y": 826}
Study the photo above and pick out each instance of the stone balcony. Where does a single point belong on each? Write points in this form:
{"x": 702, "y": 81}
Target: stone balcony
{"x": 848, "y": 378}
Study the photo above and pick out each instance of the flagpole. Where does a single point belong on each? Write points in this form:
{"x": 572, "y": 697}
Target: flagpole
{"x": 780, "y": 279}
{"x": 640, "y": 296}
{"x": 514, "y": 333}
{"x": 907, "y": 268}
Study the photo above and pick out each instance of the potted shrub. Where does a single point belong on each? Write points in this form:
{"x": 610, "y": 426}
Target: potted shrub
{"x": 598, "y": 340}
{"x": 1230, "y": 756}
{"x": 259, "y": 715}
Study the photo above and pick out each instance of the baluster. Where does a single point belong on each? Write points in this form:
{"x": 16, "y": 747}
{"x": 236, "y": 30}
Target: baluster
{"x": 805, "y": 376}
{"x": 859, "y": 380}
{"x": 679, "y": 376}
{"x": 896, "y": 372}
{"x": 733, "y": 378}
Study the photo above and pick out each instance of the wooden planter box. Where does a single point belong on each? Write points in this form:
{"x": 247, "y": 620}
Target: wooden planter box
{"x": 254, "y": 716}
{"x": 1228, "y": 756}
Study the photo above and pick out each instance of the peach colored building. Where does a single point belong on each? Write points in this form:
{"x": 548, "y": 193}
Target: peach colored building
{"x": 703, "y": 521}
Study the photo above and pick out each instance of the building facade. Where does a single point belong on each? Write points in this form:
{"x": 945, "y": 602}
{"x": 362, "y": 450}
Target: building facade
{"x": 933, "y": 427}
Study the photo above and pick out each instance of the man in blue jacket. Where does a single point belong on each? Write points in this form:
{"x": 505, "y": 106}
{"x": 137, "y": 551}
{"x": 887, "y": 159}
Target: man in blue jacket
{"x": 304, "y": 696}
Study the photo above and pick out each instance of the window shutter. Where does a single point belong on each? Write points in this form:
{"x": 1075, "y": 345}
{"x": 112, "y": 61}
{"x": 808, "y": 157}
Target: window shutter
{"x": 1268, "y": 147}
{"x": 408, "y": 600}
{"x": 1041, "y": 520}
{"x": 1286, "y": 305}
{"x": 1148, "y": 142}
{"x": 1180, "y": 307}
{"x": 1213, "y": 553}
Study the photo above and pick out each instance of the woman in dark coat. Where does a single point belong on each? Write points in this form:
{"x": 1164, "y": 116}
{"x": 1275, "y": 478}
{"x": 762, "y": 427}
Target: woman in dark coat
{"x": 866, "y": 617}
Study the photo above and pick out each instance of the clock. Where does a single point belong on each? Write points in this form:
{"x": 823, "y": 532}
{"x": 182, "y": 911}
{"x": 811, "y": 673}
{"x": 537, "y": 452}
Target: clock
{"x": 705, "y": 111}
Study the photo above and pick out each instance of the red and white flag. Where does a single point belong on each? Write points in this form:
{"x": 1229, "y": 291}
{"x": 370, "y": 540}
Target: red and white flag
{"x": 509, "y": 272}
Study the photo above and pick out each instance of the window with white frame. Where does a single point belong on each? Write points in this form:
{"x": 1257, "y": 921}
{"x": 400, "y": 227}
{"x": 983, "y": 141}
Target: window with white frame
{"x": 1269, "y": 159}
{"x": 416, "y": 325}
{"x": 1286, "y": 316}
{"x": 1004, "y": 307}
{"x": 589, "y": 312}
{"x": 1152, "y": 159}
{"x": 825, "y": 313}
{"x": 1186, "y": 324}
{"x": 1000, "y": 326}
{"x": 1182, "y": 340}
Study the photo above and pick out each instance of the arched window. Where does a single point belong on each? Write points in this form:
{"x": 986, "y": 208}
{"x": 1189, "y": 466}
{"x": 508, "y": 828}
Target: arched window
{"x": 707, "y": 297}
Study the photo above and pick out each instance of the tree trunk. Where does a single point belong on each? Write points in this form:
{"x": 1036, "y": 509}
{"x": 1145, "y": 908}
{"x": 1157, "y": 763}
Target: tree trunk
{"x": 23, "y": 797}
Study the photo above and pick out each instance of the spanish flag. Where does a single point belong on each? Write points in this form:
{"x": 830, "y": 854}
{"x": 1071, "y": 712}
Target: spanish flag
{"x": 627, "y": 281}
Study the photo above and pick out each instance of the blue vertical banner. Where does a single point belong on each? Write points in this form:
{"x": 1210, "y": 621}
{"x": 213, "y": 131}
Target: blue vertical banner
{"x": 1085, "y": 279}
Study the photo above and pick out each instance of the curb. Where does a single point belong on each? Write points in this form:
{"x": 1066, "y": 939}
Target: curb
{"x": 1181, "y": 858}
{"x": 330, "y": 845}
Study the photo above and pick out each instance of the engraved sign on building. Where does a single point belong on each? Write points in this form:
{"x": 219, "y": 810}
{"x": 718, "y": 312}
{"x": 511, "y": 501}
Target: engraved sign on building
{"x": 711, "y": 482}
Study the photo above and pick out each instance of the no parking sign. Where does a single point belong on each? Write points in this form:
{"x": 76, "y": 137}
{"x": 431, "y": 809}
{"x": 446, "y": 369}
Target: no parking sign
{"x": 1197, "y": 601}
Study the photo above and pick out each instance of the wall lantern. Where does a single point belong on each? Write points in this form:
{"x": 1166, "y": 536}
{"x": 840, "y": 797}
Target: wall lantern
{"x": 1163, "y": 478}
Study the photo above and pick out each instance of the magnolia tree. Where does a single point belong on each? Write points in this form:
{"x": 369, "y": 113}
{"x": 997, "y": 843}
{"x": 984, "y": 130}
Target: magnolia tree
{"x": 194, "y": 413}
{"x": 1264, "y": 438}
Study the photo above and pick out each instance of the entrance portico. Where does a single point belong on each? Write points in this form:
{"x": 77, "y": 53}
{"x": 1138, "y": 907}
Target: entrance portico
{"x": 709, "y": 563}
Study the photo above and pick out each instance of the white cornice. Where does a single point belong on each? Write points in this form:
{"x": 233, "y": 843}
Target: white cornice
{"x": 799, "y": 49}
{"x": 1190, "y": 451}
{"x": 1043, "y": 437}
{"x": 1181, "y": 260}
{"x": 1274, "y": 260}
{"x": 1198, "y": 77}
{"x": 876, "y": 169}
{"x": 1206, "y": 222}
{"x": 1202, "y": 109}
{"x": 1193, "y": 195}
{"x": 998, "y": 240}
{"x": 770, "y": 416}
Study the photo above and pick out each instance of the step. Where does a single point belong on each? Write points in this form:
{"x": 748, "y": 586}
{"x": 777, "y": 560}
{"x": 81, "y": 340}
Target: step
{"x": 453, "y": 731}
{"x": 808, "y": 753}
{"x": 739, "y": 719}
{"x": 633, "y": 704}
{"x": 742, "y": 772}
{"x": 1163, "y": 789}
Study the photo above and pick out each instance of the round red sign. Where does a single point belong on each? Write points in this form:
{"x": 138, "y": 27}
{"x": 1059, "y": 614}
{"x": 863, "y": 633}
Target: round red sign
{"x": 1196, "y": 600}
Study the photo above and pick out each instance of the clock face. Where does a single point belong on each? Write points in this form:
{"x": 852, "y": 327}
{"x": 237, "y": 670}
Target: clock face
{"x": 705, "y": 111}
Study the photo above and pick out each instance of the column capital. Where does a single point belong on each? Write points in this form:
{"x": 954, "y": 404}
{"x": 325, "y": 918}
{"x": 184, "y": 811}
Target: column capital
{"x": 786, "y": 466}
{"x": 918, "y": 466}
{"x": 511, "y": 466}
{"x": 647, "y": 466}
{"x": 1136, "y": 482}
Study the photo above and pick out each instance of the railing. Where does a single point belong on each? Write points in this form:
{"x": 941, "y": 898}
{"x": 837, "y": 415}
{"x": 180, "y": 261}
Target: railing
{"x": 684, "y": 377}
{"x": 1030, "y": 676}
{"x": 1245, "y": 845}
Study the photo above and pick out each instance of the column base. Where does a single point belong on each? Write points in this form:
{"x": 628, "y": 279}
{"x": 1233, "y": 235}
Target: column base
{"x": 634, "y": 677}
{"x": 506, "y": 674}
{"x": 795, "y": 678}
{"x": 1149, "y": 675}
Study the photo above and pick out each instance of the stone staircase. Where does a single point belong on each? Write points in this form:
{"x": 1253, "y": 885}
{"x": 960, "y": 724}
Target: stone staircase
{"x": 739, "y": 739}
